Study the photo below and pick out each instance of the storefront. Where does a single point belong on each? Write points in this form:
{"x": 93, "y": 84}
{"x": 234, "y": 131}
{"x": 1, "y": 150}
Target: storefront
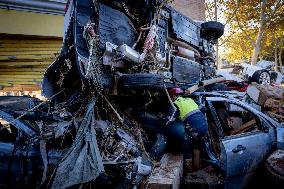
{"x": 30, "y": 39}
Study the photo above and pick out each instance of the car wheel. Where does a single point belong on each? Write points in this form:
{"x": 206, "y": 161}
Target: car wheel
{"x": 274, "y": 168}
{"x": 261, "y": 77}
{"x": 212, "y": 30}
{"x": 141, "y": 81}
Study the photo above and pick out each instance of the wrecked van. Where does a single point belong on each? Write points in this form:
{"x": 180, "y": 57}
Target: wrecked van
{"x": 146, "y": 47}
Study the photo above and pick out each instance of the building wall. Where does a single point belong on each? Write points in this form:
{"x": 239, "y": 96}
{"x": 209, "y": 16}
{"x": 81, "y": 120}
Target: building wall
{"x": 29, "y": 23}
{"x": 194, "y": 9}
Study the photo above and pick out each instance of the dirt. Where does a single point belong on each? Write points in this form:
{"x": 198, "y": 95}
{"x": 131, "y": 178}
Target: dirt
{"x": 205, "y": 178}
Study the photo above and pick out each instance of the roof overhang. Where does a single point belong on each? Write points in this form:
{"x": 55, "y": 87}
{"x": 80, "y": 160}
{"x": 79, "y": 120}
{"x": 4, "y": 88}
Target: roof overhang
{"x": 56, "y": 7}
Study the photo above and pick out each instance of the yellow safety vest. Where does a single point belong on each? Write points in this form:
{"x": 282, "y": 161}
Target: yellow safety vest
{"x": 186, "y": 107}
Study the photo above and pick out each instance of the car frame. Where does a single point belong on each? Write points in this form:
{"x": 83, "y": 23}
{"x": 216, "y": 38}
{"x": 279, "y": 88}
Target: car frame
{"x": 242, "y": 155}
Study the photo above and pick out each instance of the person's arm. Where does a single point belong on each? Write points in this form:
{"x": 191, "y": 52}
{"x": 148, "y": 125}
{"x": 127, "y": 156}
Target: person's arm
{"x": 171, "y": 115}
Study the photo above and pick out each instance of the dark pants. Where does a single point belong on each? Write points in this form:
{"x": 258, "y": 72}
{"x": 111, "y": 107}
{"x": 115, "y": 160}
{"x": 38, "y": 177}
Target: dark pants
{"x": 196, "y": 124}
{"x": 179, "y": 134}
{"x": 196, "y": 127}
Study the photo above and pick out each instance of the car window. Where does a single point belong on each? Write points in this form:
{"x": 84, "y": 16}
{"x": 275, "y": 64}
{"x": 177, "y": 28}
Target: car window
{"x": 8, "y": 133}
{"x": 236, "y": 120}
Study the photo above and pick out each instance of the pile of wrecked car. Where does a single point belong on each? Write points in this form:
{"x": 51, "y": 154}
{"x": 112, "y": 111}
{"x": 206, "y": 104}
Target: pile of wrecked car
{"x": 107, "y": 92}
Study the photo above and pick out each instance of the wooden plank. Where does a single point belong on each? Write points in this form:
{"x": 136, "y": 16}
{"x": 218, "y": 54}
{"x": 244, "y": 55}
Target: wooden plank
{"x": 168, "y": 175}
{"x": 192, "y": 89}
{"x": 243, "y": 127}
{"x": 196, "y": 160}
{"x": 212, "y": 81}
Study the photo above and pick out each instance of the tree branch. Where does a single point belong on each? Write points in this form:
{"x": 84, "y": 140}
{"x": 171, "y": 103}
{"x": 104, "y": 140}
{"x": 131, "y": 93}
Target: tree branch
{"x": 246, "y": 34}
{"x": 273, "y": 12}
{"x": 209, "y": 13}
{"x": 241, "y": 28}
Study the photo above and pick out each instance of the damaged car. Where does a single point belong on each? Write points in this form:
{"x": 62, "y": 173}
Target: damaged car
{"x": 148, "y": 49}
{"x": 241, "y": 137}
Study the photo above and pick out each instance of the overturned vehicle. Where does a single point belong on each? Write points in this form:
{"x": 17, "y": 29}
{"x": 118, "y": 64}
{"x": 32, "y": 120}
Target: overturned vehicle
{"x": 145, "y": 48}
{"x": 102, "y": 125}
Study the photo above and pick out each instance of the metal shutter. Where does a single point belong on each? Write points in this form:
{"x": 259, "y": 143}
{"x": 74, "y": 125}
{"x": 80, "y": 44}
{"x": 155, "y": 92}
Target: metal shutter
{"x": 23, "y": 59}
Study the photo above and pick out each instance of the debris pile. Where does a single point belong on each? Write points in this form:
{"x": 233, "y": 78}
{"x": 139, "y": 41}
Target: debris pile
{"x": 270, "y": 98}
{"x": 108, "y": 89}
{"x": 105, "y": 124}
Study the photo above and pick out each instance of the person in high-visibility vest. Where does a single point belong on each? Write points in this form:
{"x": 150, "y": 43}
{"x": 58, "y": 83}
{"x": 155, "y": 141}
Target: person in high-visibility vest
{"x": 188, "y": 112}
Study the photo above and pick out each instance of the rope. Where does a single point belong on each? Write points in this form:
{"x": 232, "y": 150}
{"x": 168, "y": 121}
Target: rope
{"x": 37, "y": 106}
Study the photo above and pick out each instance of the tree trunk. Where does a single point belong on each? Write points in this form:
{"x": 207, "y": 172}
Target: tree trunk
{"x": 276, "y": 55}
{"x": 261, "y": 31}
{"x": 217, "y": 44}
{"x": 280, "y": 55}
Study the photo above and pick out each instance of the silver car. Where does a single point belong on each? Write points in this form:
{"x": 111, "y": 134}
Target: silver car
{"x": 240, "y": 138}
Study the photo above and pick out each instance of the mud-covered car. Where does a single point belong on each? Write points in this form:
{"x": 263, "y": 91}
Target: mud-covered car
{"x": 126, "y": 44}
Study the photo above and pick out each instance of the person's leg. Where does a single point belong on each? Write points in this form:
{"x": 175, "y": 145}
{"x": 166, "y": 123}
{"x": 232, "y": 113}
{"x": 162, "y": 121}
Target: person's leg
{"x": 197, "y": 125}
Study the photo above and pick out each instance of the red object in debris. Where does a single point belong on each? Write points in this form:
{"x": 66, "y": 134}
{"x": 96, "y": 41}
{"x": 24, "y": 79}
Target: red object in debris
{"x": 236, "y": 86}
{"x": 150, "y": 40}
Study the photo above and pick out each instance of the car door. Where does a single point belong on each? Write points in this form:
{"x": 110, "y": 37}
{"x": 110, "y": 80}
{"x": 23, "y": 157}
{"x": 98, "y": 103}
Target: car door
{"x": 243, "y": 153}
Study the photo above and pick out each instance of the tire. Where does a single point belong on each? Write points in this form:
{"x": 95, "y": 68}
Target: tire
{"x": 212, "y": 30}
{"x": 261, "y": 77}
{"x": 274, "y": 168}
{"x": 141, "y": 81}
